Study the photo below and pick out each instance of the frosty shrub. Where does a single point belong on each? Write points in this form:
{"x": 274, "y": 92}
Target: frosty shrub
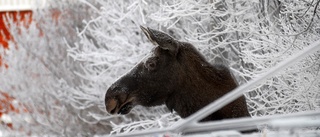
{"x": 61, "y": 67}
{"x": 45, "y": 81}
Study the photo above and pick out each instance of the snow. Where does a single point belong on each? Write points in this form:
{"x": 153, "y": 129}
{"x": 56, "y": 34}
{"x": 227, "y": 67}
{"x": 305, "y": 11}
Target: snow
{"x": 6, "y": 118}
{"x": 263, "y": 134}
{"x": 294, "y": 123}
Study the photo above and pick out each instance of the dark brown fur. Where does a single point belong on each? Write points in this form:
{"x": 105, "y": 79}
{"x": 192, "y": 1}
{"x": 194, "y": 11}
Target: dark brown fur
{"x": 177, "y": 75}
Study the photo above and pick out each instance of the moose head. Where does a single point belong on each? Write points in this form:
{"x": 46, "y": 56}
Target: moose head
{"x": 174, "y": 73}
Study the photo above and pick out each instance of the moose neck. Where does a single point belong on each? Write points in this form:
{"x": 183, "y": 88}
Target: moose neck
{"x": 201, "y": 82}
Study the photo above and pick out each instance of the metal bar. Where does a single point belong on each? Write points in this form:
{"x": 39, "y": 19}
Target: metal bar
{"x": 241, "y": 124}
{"x": 231, "y": 96}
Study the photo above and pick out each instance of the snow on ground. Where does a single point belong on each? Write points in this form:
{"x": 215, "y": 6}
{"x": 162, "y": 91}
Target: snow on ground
{"x": 289, "y": 133}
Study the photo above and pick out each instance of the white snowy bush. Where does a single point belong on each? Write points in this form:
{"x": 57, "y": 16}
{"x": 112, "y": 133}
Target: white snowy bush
{"x": 60, "y": 69}
{"x": 44, "y": 79}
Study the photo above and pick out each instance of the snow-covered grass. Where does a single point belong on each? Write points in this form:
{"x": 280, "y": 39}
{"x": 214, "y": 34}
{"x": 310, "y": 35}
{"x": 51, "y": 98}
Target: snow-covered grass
{"x": 60, "y": 68}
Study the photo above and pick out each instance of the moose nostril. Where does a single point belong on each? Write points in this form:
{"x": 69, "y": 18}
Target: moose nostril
{"x": 111, "y": 106}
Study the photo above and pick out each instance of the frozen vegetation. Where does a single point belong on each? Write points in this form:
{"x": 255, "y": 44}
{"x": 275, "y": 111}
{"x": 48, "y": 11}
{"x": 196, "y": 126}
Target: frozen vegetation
{"x": 60, "y": 65}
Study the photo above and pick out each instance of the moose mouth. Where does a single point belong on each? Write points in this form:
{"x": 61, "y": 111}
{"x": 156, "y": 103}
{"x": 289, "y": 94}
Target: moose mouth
{"x": 126, "y": 108}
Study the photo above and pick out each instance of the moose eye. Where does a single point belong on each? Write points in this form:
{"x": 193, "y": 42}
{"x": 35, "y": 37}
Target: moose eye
{"x": 151, "y": 64}
{"x": 169, "y": 41}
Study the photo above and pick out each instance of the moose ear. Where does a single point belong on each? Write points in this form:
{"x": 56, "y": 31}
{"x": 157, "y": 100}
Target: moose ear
{"x": 158, "y": 38}
{"x": 149, "y": 35}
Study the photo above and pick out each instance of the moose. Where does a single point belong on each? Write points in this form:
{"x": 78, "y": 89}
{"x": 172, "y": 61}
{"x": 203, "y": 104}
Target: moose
{"x": 174, "y": 73}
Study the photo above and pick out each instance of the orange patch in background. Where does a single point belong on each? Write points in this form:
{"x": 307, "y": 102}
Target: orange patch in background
{"x": 5, "y": 34}
{"x": 7, "y": 103}
{"x": 6, "y": 106}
